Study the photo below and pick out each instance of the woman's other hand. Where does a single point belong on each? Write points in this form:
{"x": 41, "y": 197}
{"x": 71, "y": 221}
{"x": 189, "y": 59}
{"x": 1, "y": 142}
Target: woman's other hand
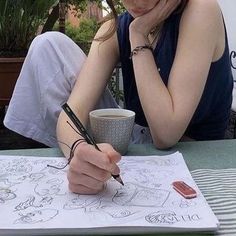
{"x": 90, "y": 169}
{"x": 143, "y": 24}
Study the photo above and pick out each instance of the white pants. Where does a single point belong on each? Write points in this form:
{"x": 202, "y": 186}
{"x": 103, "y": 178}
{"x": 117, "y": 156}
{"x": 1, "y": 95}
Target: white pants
{"x": 45, "y": 83}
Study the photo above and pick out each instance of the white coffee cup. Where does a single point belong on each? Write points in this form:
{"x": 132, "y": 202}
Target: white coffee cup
{"x": 112, "y": 125}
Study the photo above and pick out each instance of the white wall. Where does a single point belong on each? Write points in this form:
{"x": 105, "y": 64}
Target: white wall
{"x": 229, "y": 12}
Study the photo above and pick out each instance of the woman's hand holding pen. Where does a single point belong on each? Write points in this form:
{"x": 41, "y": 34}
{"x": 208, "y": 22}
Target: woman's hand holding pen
{"x": 89, "y": 168}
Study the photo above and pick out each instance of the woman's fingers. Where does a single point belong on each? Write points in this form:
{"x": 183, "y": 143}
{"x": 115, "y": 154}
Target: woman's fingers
{"x": 101, "y": 159}
{"x": 110, "y": 151}
{"x": 171, "y": 5}
{"x": 166, "y": 7}
{"x": 144, "y": 23}
{"x": 89, "y": 168}
{"x": 82, "y": 189}
{"x": 77, "y": 180}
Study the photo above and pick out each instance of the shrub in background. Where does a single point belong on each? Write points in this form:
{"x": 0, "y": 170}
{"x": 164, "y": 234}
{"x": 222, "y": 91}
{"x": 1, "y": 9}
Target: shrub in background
{"x": 19, "y": 24}
{"x": 83, "y": 34}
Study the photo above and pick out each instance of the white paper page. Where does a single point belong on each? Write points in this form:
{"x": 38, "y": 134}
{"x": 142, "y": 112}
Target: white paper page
{"x": 33, "y": 196}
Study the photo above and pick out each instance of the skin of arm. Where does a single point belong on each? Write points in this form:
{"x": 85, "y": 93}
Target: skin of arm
{"x": 89, "y": 169}
{"x": 168, "y": 110}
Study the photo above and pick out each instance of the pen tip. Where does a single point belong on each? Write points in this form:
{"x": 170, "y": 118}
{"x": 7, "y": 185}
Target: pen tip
{"x": 120, "y": 180}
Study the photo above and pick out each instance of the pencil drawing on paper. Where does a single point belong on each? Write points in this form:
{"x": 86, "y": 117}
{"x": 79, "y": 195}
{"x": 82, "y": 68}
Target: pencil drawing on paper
{"x": 6, "y": 195}
{"x": 136, "y": 195}
{"x": 37, "y": 216}
{"x": 169, "y": 218}
{"x": 31, "y": 194}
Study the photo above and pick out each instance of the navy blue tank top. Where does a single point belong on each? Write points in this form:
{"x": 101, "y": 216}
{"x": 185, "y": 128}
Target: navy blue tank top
{"x": 212, "y": 114}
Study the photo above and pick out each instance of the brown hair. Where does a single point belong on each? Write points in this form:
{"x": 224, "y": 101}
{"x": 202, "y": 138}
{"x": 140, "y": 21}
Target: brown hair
{"x": 114, "y": 17}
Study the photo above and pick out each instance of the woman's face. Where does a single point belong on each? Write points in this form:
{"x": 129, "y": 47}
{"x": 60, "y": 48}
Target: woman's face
{"x": 139, "y": 7}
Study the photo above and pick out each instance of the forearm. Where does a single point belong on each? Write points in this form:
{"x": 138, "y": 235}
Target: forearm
{"x": 66, "y": 135}
{"x": 156, "y": 100}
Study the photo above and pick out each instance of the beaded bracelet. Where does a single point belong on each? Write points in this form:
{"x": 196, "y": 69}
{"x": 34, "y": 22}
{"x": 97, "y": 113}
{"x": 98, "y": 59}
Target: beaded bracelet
{"x": 140, "y": 48}
{"x": 72, "y": 150}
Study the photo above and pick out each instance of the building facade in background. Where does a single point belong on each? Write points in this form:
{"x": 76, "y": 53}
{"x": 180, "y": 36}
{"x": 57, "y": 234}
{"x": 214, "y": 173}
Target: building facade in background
{"x": 93, "y": 11}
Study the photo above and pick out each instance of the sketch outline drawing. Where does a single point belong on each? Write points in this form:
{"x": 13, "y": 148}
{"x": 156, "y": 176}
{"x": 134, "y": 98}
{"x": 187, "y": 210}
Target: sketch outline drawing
{"x": 33, "y": 196}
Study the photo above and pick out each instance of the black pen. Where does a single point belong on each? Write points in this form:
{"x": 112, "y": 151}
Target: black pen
{"x": 84, "y": 133}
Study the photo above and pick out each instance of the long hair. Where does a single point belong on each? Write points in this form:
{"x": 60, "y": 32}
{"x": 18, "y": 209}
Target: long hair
{"x": 114, "y": 19}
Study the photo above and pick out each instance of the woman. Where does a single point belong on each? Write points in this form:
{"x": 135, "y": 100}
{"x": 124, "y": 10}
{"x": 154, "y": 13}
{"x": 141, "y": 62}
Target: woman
{"x": 177, "y": 78}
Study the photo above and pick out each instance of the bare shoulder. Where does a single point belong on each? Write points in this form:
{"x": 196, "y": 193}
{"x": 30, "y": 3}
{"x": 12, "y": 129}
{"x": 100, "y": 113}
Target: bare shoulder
{"x": 104, "y": 53}
{"x": 202, "y": 21}
{"x": 203, "y": 12}
{"x": 104, "y": 28}
{"x": 110, "y": 43}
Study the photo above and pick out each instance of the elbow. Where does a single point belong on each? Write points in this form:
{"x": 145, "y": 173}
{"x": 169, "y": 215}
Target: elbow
{"x": 164, "y": 143}
{"x": 167, "y": 137}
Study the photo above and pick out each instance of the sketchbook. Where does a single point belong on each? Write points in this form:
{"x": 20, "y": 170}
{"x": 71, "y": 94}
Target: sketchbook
{"x": 34, "y": 199}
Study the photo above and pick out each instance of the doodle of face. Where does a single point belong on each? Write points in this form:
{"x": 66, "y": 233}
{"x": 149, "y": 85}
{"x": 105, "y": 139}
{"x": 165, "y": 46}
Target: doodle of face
{"x": 124, "y": 195}
{"x": 134, "y": 195}
{"x": 50, "y": 187}
{"x": 6, "y": 194}
{"x": 36, "y": 176}
{"x": 37, "y": 216}
{"x": 162, "y": 217}
{"x": 18, "y": 168}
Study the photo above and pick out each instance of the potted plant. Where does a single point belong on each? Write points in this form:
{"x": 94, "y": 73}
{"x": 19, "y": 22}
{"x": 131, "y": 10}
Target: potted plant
{"x": 20, "y": 22}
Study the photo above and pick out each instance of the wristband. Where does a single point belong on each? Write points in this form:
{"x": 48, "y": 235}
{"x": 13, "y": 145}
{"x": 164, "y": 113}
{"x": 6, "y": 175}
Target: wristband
{"x": 138, "y": 49}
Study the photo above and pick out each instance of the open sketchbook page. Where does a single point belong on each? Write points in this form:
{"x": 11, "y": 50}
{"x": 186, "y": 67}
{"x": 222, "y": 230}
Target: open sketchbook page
{"x": 34, "y": 196}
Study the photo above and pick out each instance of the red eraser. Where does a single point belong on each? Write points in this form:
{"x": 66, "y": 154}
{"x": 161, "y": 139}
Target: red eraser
{"x": 185, "y": 190}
